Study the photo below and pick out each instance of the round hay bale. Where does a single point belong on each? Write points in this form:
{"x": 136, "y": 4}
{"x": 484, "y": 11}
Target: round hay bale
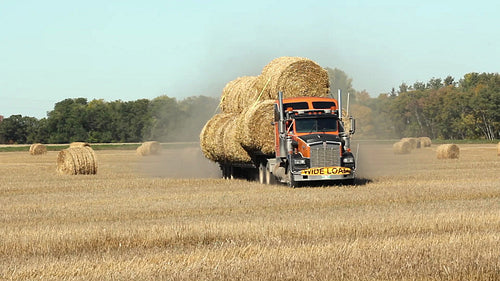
{"x": 233, "y": 151}
{"x": 77, "y": 161}
{"x": 401, "y": 147}
{"x": 295, "y": 77}
{"x": 425, "y": 141}
{"x": 238, "y": 94}
{"x": 79, "y": 144}
{"x": 149, "y": 148}
{"x": 38, "y": 149}
{"x": 212, "y": 136}
{"x": 448, "y": 151}
{"x": 255, "y": 130}
{"x": 414, "y": 142}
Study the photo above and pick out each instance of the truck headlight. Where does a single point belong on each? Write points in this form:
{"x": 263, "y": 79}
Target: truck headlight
{"x": 299, "y": 161}
{"x": 349, "y": 160}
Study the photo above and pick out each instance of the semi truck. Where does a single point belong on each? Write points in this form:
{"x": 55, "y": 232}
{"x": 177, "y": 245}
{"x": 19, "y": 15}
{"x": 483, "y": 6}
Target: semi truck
{"x": 312, "y": 144}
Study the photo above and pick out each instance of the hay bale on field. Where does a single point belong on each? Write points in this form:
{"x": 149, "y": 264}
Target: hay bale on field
{"x": 448, "y": 151}
{"x": 401, "y": 147}
{"x": 295, "y": 77}
{"x": 77, "y": 161}
{"x": 79, "y": 144}
{"x": 238, "y": 94}
{"x": 425, "y": 141}
{"x": 38, "y": 149}
{"x": 414, "y": 142}
{"x": 255, "y": 131}
{"x": 149, "y": 148}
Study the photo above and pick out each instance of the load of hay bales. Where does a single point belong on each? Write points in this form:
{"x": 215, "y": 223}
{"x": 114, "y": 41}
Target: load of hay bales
{"x": 79, "y": 144}
{"x": 448, "y": 151}
{"x": 149, "y": 148}
{"x": 295, "y": 77}
{"x": 401, "y": 147}
{"x": 244, "y": 125}
{"x": 208, "y": 135}
{"x": 77, "y": 161}
{"x": 425, "y": 141}
{"x": 38, "y": 149}
{"x": 233, "y": 151}
{"x": 238, "y": 94}
{"x": 255, "y": 129}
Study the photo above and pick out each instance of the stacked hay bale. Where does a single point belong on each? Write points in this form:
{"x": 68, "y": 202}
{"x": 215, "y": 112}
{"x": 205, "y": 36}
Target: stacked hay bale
{"x": 149, "y": 148}
{"x": 255, "y": 131}
{"x": 38, "y": 149}
{"x": 295, "y": 77}
{"x": 239, "y": 94}
{"x": 247, "y": 108}
{"x": 77, "y": 161}
{"x": 448, "y": 151}
{"x": 401, "y": 147}
{"x": 425, "y": 141}
{"x": 233, "y": 151}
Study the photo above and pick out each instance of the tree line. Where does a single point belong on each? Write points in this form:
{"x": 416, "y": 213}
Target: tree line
{"x": 76, "y": 119}
{"x": 439, "y": 109}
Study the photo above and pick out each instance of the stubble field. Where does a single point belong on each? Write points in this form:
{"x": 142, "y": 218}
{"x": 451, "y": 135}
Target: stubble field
{"x": 168, "y": 217}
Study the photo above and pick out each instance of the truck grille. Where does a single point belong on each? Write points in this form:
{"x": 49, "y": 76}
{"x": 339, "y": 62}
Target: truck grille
{"x": 325, "y": 155}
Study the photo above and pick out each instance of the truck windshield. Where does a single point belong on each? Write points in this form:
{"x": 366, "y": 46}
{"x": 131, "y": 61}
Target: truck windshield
{"x": 309, "y": 125}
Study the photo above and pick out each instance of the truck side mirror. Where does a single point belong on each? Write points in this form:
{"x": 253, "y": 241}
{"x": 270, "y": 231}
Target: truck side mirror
{"x": 352, "y": 130}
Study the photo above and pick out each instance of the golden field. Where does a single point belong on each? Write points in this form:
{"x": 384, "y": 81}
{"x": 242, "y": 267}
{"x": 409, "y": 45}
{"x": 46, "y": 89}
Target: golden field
{"x": 167, "y": 217}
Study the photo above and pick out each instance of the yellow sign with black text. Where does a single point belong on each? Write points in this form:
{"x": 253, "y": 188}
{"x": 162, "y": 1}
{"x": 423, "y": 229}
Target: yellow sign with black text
{"x": 326, "y": 171}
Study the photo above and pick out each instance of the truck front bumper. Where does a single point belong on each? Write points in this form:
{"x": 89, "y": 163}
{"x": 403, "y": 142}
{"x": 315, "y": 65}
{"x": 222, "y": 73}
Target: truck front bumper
{"x": 304, "y": 178}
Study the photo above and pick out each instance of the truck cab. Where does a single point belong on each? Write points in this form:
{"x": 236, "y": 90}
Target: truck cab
{"x": 311, "y": 143}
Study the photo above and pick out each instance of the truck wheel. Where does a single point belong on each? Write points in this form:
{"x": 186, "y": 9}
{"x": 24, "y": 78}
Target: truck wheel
{"x": 270, "y": 179}
{"x": 262, "y": 174}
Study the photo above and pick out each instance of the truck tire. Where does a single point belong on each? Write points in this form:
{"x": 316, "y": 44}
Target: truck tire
{"x": 270, "y": 179}
{"x": 291, "y": 182}
{"x": 262, "y": 174}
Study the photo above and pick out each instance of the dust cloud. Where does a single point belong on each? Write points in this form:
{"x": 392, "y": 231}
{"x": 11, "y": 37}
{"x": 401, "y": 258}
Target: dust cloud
{"x": 376, "y": 159}
{"x": 180, "y": 162}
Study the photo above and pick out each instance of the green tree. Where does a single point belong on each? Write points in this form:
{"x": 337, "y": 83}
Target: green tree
{"x": 68, "y": 121}
{"x": 99, "y": 122}
{"x": 167, "y": 118}
{"x": 19, "y": 129}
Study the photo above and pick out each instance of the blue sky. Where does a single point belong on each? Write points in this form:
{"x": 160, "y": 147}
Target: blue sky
{"x": 127, "y": 50}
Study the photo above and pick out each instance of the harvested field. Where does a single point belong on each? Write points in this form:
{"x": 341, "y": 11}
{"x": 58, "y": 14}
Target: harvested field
{"x": 409, "y": 217}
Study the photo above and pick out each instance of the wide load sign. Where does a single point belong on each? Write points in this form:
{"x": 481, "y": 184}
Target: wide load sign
{"x": 326, "y": 171}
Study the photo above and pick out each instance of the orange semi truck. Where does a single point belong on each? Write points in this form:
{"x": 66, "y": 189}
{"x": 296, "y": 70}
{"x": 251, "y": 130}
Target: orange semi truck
{"x": 311, "y": 145}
